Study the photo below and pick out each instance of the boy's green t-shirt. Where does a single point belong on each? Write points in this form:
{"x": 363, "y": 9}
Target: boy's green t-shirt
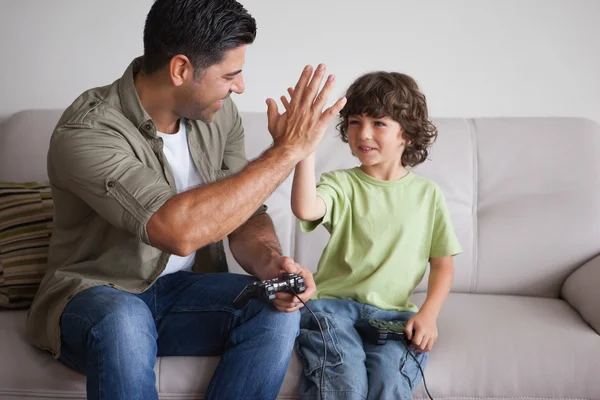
{"x": 383, "y": 234}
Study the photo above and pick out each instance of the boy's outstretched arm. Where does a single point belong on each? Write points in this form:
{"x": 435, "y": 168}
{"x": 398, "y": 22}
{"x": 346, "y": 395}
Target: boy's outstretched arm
{"x": 306, "y": 205}
{"x": 441, "y": 275}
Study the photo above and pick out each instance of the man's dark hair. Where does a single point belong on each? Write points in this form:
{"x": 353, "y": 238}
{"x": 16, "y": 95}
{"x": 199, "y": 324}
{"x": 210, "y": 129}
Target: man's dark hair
{"x": 202, "y": 30}
{"x": 395, "y": 95}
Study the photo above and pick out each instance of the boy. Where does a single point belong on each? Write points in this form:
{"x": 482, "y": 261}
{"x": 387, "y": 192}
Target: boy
{"x": 386, "y": 225}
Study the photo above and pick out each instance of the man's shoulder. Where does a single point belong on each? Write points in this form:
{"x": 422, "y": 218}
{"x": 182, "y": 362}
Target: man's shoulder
{"x": 95, "y": 108}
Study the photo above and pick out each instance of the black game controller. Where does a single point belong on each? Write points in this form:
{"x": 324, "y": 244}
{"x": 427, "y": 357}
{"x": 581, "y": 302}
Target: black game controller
{"x": 265, "y": 290}
{"x": 378, "y": 331}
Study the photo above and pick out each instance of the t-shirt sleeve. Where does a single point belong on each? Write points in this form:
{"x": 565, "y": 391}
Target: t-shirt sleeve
{"x": 330, "y": 190}
{"x": 444, "y": 241}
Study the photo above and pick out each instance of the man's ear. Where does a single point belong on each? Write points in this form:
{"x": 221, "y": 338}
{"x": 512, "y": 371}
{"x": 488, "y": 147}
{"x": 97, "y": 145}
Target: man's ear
{"x": 180, "y": 70}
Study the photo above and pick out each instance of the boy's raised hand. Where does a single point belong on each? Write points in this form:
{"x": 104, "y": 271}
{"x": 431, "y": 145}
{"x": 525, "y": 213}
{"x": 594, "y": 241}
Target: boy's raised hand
{"x": 422, "y": 331}
{"x": 301, "y": 127}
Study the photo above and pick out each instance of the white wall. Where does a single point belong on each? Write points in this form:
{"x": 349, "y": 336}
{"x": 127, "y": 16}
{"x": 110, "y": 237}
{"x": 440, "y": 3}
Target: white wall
{"x": 471, "y": 57}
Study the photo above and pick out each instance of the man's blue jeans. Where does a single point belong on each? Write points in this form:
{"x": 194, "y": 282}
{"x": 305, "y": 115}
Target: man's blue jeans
{"x": 114, "y": 337}
{"x": 354, "y": 369}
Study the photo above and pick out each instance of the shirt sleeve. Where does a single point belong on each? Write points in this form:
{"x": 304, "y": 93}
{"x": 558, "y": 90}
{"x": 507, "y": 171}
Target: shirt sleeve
{"x": 330, "y": 190}
{"x": 100, "y": 167}
{"x": 234, "y": 157}
{"x": 444, "y": 241}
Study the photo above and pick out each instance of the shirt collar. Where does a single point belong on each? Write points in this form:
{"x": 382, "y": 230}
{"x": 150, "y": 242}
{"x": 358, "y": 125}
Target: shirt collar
{"x": 130, "y": 101}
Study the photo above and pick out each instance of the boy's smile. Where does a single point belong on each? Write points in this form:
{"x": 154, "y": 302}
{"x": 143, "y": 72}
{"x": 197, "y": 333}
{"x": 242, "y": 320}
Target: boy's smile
{"x": 378, "y": 144}
{"x": 366, "y": 150}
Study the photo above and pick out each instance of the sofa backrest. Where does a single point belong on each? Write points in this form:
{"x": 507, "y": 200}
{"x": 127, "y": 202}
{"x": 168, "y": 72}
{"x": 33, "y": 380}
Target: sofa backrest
{"x": 524, "y": 193}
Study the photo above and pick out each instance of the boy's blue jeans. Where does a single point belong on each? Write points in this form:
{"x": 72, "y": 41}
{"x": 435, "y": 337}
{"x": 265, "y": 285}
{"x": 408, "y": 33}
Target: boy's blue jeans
{"x": 114, "y": 337}
{"x": 354, "y": 369}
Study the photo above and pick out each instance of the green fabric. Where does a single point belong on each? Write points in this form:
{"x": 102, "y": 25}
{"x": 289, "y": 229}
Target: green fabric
{"x": 25, "y": 230}
{"x": 109, "y": 176}
{"x": 383, "y": 234}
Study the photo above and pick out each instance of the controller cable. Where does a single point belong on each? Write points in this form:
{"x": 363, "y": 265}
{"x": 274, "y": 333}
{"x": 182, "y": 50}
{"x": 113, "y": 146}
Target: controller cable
{"x": 420, "y": 369}
{"x": 324, "y": 343}
{"x": 325, "y": 350}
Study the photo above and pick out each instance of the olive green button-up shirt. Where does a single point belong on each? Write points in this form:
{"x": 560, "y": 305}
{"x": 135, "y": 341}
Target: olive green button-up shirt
{"x": 108, "y": 176}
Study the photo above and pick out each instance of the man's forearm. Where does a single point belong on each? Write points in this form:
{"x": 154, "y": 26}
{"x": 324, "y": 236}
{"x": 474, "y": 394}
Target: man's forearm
{"x": 193, "y": 219}
{"x": 254, "y": 245}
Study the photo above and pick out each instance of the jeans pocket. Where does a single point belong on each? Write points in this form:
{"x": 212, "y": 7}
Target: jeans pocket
{"x": 413, "y": 368}
{"x": 309, "y": 345}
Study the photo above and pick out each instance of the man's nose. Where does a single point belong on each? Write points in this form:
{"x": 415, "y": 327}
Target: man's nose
{"x": 238, "y": 84}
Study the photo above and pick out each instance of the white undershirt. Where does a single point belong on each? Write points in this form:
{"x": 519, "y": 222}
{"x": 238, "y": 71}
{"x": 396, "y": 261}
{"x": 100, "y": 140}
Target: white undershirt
{"x": 177, "y": 152}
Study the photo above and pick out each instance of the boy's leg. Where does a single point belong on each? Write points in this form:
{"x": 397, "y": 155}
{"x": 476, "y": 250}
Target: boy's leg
{"x": 195, "y": 317}
{"x": 110, "y": 336}
{"x": 393, "y": 373}
{"x": 345, "y": 373}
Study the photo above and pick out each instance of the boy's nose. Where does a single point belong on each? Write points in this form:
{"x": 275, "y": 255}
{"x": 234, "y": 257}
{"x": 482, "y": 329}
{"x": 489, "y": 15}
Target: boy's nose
{"x": 365, "y": 134}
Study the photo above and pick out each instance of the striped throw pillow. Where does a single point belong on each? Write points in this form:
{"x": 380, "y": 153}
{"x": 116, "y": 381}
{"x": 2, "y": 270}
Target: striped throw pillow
{"x": 25, "y": 229}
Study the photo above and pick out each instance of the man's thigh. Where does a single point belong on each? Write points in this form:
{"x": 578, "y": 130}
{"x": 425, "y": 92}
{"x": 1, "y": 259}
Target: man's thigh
{"x": 195, "y": 314}
{"x": 102, "y": 318}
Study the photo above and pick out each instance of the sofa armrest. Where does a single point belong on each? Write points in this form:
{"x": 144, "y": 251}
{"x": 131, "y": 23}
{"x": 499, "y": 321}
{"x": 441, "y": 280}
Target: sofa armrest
{"x": 581, "y": 290}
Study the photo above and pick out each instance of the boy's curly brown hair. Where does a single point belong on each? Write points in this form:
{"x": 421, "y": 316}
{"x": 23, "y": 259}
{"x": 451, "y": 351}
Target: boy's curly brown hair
{"x": 397, "y": 96}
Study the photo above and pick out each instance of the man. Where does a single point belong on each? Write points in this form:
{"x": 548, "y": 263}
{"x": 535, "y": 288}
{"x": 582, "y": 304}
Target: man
{"x": 148, "y": 176}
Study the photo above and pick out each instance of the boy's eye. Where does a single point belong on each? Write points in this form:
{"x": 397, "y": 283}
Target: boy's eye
{"x": 379, "y": 123}
{"x": 353, "y": 122}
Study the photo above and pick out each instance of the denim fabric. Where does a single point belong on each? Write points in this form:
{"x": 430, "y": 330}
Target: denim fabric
{"x": 114, "y": 337}
{"x": 354, "y": 369}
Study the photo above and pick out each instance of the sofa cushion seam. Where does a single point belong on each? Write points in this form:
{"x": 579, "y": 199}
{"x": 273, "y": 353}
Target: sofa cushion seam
{"x": 475, "y": 205}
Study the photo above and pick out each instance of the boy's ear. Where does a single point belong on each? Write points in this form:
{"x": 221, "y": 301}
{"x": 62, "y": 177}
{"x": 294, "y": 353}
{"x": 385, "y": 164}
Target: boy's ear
{"x": 402, "y": 133}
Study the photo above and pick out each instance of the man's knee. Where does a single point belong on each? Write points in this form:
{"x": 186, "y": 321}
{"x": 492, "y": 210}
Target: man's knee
{"x": 106, "y": 314}
{"x": 130, "y": 323}
{"x": 285, "y": 325}
{"x": 280, "y": 326}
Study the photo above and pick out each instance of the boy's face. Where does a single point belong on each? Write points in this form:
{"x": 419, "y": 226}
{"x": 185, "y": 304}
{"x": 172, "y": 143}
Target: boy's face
{"x": 376, "y": 141}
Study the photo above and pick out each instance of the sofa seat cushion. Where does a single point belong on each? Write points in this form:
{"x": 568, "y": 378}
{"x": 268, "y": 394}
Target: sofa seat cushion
{"x": 490, "y": 346}
{"x": 29, "y": 373}
{"x": 500, "y": 347}
{"x": 26, "y": 372}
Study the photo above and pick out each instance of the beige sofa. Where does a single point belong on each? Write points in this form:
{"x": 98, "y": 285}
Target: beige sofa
{"x": 523, "y": 320}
